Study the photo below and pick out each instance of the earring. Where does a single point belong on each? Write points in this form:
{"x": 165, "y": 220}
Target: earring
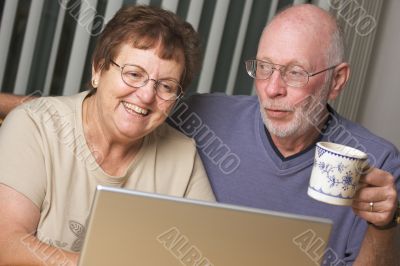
{"x": 94, "y": 83}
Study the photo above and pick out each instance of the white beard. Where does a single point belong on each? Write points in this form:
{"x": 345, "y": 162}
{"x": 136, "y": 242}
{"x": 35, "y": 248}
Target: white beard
{"x": 305, "y": 118}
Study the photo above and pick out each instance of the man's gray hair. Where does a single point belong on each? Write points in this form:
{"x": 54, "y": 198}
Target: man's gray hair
{"x": 336, "y": 53}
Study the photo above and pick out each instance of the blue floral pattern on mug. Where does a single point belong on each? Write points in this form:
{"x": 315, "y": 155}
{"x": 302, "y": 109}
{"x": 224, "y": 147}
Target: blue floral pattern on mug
{"x": 345, "y": 180}
{"x": 335, "y": 175}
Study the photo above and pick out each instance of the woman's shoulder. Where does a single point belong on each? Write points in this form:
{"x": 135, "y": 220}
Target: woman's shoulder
{"x": 55, "y": 104}
{"x": 44, "y": 113}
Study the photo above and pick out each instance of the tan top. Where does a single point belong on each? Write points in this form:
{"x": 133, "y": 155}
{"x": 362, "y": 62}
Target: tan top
{"x": 44, "y": 155}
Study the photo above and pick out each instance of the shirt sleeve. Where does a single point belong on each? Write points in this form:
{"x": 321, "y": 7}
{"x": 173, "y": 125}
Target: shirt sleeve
{"x": 390, "y": 163}
{"x": 22, "y": 164}
{"x": 355, "y": 240}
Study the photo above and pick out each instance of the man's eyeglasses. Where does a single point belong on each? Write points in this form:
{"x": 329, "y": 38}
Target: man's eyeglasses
{"x": 292, "y": 75}
{"x": 136, "y": 77}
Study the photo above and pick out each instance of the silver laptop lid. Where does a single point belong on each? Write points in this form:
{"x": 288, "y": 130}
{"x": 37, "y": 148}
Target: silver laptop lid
{"x": 136, "y": 228}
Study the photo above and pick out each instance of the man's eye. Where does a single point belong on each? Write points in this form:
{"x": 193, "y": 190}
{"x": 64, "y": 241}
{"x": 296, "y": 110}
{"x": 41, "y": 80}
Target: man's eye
{"x": 264, "y": 67}
{"x": 295, "y": 73}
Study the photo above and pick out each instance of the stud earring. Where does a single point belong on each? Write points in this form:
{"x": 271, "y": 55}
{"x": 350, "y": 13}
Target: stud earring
{"x": 94, "y": 83}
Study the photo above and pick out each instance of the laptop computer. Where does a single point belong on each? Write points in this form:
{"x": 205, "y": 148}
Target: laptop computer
{"x": 135, "y": 228}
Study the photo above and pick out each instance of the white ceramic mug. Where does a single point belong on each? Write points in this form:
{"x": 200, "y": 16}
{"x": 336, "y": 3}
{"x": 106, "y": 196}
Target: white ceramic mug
{"x": 336, "y": 172}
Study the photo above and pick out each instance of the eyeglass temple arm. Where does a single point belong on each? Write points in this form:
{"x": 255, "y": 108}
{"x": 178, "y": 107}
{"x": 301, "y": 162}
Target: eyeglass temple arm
{"x": 319, "y": 72}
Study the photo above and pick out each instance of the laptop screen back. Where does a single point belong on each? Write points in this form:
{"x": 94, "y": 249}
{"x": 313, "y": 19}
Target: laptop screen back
{"x": 134, "y": 228}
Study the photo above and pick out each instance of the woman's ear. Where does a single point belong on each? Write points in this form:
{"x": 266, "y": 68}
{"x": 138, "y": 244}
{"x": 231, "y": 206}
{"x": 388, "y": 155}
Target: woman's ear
{"x": 96, "y": 73}
{"x": 95, "y": 77}
{"x": 340, "y": 77}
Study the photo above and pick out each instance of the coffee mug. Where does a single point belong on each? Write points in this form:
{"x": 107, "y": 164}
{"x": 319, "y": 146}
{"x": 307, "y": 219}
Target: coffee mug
{"x": 336, "y": 172}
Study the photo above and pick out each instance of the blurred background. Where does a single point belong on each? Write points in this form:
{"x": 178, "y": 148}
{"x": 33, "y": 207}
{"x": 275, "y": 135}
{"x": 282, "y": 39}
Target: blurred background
{"x": 46, "y": 47}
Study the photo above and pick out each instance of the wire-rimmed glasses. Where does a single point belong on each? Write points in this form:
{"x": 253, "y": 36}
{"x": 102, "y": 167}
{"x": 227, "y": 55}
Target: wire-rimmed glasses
{"x": 292, "y": 75}
{"x": 136, "y": 77}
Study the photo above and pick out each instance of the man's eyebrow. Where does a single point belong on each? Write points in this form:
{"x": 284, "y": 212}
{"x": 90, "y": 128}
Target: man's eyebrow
{"x": 266, "y": 59}
{"x": 291, "y": 62}
{"x": 299, "y": 63}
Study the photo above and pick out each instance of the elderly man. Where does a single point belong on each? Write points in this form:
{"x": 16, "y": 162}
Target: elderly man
{"x": 259, "y": 153}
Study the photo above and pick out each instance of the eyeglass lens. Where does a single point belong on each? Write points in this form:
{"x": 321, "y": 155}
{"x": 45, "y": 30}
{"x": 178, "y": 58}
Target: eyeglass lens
{"x": 135, "y": 76}
{"x": 292, "y": 75}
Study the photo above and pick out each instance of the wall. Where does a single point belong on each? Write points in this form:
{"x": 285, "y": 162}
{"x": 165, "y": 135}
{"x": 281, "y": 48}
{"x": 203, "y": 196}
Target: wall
{"x": 379, "y": 110}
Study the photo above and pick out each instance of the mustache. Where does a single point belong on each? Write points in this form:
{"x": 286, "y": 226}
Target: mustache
{"x": 278, "y": 106}
{"x": 284, "y": 106}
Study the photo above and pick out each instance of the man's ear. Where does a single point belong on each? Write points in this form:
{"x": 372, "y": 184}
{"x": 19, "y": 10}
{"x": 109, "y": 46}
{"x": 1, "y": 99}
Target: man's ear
{"x": 340, "y": 77}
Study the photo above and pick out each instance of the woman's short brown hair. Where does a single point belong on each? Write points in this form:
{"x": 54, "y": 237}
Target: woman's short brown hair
{"x": 147, "y": 27}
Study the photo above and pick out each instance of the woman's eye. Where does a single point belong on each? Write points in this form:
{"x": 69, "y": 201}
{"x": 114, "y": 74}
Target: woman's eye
{"x": 134, "y": 75}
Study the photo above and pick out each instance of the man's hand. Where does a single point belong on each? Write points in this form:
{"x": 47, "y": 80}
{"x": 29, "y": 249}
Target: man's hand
{"x": 10, "y": 101}
{"x": 376, "y": 200}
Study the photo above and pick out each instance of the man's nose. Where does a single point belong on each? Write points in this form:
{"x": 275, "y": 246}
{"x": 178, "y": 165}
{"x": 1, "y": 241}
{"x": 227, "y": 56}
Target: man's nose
{"x": 275, "y": 85}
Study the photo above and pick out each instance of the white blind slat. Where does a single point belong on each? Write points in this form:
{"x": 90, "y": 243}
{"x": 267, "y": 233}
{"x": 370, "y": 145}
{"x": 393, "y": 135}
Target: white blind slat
{"x": 322, "y": 3}
{"x": 296, "y": 2}
{"x": 10, "y": 9}
{"x": 171, "y": 5}
{"x": 80, "y": 47}
{"x": 213, "y": 44}
{"x": 143, "y": 2}
{"x": 239, "y": 47}
{"x": 272, "y": 10}
{"x": 28, "y": 46}
{"x": 194, "y": 13}
{"x": 112, "y": 8}
{"x": 54, "y": 50}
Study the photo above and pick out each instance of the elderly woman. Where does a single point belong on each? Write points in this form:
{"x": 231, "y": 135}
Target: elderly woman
{"x": 54, "y": 151}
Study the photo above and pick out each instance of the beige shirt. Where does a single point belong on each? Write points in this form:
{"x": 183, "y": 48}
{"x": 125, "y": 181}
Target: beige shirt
{"x": 44, "y": 155}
